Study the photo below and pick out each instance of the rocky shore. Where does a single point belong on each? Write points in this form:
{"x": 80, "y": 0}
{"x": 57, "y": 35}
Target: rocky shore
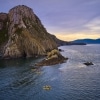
{"x": 53, "y": 57}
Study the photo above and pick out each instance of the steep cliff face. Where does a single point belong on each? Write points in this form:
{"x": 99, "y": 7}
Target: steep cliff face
{"x": 3, "y": 30}
{"x": 27, "y": 35}
{"x": 3, "y": 27}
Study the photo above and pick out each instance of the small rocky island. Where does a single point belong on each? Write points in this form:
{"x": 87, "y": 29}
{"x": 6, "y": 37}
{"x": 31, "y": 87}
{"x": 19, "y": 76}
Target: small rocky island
{"x": 53, "y": 57}
{"x": 88, "y": 63}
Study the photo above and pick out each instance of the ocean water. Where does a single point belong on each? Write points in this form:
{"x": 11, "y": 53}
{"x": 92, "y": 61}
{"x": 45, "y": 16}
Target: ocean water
{"x": 71, "y": 80}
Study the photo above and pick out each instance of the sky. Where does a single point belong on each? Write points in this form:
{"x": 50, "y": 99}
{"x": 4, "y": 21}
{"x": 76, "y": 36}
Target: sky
{"x": 67, "y": 19}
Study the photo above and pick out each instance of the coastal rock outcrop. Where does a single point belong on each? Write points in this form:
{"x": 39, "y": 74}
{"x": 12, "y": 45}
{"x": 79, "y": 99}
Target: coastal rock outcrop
{"x": 53, "y": 57}
{"x": 88, "y": 63}
{"x": 27, "y": 35}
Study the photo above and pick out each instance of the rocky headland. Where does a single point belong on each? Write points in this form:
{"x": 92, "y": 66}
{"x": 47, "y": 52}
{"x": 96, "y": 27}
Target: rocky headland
{"x": 23, "y": 35}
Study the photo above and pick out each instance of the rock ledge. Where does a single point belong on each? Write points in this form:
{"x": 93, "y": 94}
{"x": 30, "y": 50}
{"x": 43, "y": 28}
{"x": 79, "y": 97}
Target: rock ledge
{"x": 53, "y": 57}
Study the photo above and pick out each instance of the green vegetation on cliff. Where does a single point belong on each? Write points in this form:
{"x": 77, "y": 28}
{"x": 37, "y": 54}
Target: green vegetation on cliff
{"x": 3, "y": 36}
{"x": 3, "y": 28}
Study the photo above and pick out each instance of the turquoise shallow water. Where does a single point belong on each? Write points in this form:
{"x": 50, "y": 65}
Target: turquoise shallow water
{"x": 71, "y": 80}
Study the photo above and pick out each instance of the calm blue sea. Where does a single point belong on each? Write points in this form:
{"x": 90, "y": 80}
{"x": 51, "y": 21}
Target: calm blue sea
{"x": 71, "y": 80}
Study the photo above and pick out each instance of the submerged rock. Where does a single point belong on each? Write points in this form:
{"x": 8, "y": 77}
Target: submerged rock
{"x": 88, "y": 63}
{"x": 53, "y": 57}
{"x": 61, "y": 50}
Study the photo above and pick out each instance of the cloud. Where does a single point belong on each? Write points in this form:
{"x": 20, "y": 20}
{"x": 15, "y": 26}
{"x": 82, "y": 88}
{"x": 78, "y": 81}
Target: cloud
{"x": 65, "y": 17}
{"x": 94, "y": 25}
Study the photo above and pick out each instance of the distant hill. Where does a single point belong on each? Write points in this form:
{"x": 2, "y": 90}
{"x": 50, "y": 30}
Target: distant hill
{"x": 87, "y": 41}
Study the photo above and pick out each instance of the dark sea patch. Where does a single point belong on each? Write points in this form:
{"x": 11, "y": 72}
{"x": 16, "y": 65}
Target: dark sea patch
{"x": 71, "y": 80}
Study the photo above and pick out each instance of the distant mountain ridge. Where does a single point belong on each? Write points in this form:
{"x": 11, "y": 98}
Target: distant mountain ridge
{"x": 87, "y": 41}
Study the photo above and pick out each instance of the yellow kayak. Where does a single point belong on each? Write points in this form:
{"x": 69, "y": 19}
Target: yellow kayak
{"x": 47, "y": 87}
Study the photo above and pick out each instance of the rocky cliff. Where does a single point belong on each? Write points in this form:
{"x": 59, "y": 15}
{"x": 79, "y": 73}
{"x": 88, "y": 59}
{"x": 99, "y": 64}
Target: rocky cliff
{"x": 3, "y": 27}
{"x": 3, "y": 30}
{"x": 24, "y": 34}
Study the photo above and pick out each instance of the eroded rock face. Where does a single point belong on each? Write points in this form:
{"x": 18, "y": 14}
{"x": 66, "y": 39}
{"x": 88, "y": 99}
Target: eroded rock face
{"x": 27, "y": 35}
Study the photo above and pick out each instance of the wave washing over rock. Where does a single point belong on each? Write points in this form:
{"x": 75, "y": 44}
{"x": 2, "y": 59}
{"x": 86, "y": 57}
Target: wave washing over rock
{"x": 24, "y": 34}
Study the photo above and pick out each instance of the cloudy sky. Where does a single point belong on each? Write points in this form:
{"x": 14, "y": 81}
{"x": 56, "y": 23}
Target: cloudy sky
{"x": 67, "y": 19}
